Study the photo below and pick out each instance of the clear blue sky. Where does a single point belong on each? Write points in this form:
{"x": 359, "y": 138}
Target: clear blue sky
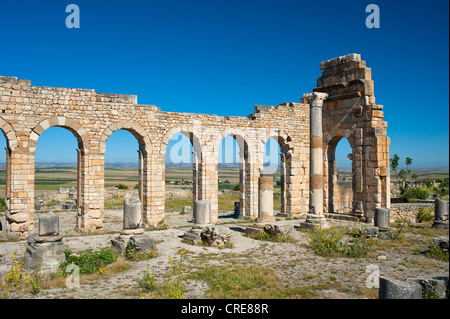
{"x": 222, "y": 57}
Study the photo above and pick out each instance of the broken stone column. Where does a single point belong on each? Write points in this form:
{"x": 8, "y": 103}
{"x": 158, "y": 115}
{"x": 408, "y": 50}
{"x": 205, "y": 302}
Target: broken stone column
{"x": 202, "y": 212}
{"x": 132, "y": 212}
{"x": 265, "y": 197}
{"x": 315, "y": 216}
{"x": 394, "y": 289}
{"x": 45, "y": 250}
{"x": 383, "y": 222}
{"x": 440, "y": 214}
{"x": 133, "y": 232}
{"x": 433, "y": 287}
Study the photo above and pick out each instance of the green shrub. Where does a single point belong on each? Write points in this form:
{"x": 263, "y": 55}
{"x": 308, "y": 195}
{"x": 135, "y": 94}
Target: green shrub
{"x": 416, "y": 193}
{"x": 425, "y": 214}
{"x": 121, "y": 186}
{"x": 330, "y": 243}
{"x": 2, "y": 205}
{"x": 90, "y": 261}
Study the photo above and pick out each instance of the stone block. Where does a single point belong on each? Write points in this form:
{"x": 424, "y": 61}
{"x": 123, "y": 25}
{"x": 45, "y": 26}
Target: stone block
{"x": 382, "y": 219}
{"x": 193, "y": 235}
{"x": 142, "y": 243}
{"x": 132, "y": 212}
{"x": 202, "y": 212}
{"x": 394, "y": 289}
{"x": 216, "y": 236}
{"x": 252, "y": 231}
{"x": 441, "y": 212}
{"x": 369, "y": 231}
{"x": 442, "y": 242}
{"x": 433, "y": 287}
{"x": 48, "y": 224}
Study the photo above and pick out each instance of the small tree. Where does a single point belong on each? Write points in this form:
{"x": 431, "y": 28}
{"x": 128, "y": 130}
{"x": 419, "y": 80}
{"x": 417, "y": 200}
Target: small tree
{"x": 404, "y": 175}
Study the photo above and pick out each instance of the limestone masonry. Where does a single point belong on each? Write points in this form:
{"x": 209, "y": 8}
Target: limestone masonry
{"x": 349, "y": 111}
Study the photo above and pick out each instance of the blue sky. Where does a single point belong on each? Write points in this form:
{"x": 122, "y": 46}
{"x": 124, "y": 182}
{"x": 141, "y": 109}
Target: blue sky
{"x": 223, "y": 57}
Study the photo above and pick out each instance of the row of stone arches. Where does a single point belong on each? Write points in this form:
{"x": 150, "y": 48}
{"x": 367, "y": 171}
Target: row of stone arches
{"x": 90, "y": 150}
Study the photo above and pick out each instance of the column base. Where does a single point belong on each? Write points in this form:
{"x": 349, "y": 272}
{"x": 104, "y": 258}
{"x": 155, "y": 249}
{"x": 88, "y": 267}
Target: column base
{"x": 315, "y": 221}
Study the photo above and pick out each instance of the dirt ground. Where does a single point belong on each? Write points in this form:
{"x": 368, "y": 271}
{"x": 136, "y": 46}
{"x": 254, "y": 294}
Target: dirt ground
{"x": 294, "y": 263}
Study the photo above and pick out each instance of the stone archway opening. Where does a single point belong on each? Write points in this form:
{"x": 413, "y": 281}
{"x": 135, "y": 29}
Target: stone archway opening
{"x": 273, "y": 166}
{"x": 181, "y": 174}
{"x": 57, "y": 186}
{"x": 123, "y": 171}
{"x": 339, "y": 176}
{"x": 234, "y": 166}
{"x": 4, "y": 174}
{"x": 228, "y": 172}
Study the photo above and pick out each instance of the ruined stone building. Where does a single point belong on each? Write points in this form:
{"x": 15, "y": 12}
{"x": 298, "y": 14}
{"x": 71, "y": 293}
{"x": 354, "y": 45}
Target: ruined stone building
{"x": 345, "y": 109}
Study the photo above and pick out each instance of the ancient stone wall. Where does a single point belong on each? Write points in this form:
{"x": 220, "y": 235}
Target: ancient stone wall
{"x": 349, "y": 111}
{"x": 27, "y": 111}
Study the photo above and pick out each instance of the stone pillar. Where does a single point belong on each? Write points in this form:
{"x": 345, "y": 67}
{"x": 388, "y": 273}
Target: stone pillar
{"x": 202, "y": 212}
{"x": 283, "y": 184}
{"x": 440, "y": 214}
{"x": 383, "y": 222}
{"x": 79, "y": 177}
{"x": 46, "y": 249}
{"x": 141, "y": 175}
{"x": 315, "y": 216}
{"x": 265, "y": 200}
{"x": 8, "y": 173}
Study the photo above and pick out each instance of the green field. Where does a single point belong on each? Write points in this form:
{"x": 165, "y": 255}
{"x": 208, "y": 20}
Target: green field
{"x": 50, "y": 179}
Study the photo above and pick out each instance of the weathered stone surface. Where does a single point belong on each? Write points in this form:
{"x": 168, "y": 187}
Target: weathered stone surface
{"x": 442, "y": 242}
{"x": 132, "y": 212}
{"x": 45, "y": 256}
{"x": 142, "y": 243}
{"x": 202, "y": 212}
{"x": 252, "y": 231}
{"x": 394, "y": 289}
{"x": 27, "y": 111}
{"x": 441, "y": 214}
{"x": 216, "y": 236}
{"x": 274, "y": 229}
{"x": 193, "y": 235}
{"x": 433, "y": 287}
{"x": 48, "y": 224}
{"x": 369, "y": 231}
{"x": 70, "y": 204}
{"x": 382, "y": 219}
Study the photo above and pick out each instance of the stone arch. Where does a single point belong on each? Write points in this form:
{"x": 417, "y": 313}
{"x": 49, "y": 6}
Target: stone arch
{"x": 137, "y": 131}
{"x": 10, "y": 134}
{"x": 144, "y": 160}
{"x": 82, "y": 138}
{"x": 241, "y": 138}
{"x": 59, "y": 121}
{"x": 338, "y": 197}
{"x": 247, "y": 171}
{"x": 190, "y": 133}
{"x": 285, "y": 143}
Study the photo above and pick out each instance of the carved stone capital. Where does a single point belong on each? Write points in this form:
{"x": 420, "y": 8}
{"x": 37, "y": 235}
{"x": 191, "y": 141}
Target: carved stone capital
{"x": 316, "y": 98}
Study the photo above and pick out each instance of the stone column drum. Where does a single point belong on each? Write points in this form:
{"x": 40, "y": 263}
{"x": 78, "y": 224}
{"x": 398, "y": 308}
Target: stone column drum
{"x": 265, "y": 197}
{"x": 440, "y": 214}
{"x": 315, "y": 216}
{"x": 202, "y": 212}
{"x": 383, "y": 222}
